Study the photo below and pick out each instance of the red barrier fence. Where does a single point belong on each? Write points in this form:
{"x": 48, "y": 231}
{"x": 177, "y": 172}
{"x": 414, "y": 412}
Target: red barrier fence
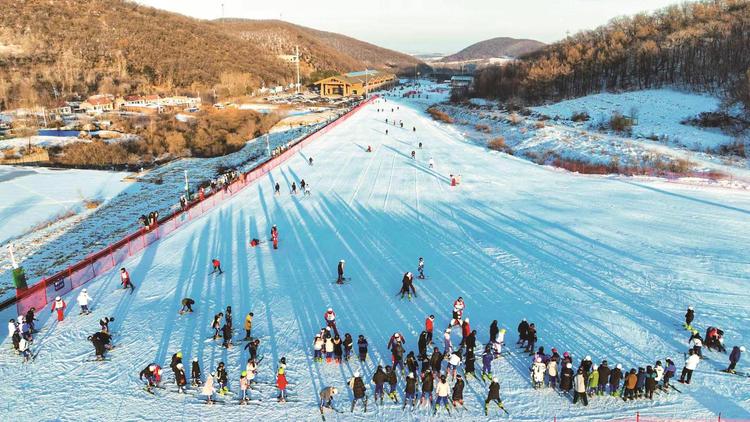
{"x": 98, "y": 263}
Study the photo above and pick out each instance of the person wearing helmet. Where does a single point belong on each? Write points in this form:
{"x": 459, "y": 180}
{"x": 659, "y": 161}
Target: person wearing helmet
{"x": 326, "y": 397}
{"x": 125, "y": 280}
{"x": 493, "y": 395}
{"x": 552, "y": 370}
{"x": 176, "y": 360}
{"x": 458, "y": 392}
{"x": 669, "y": 372}
{"x": 180, "y": 378}
{"x": 59, "y": 305}
{"x": 604, "y": 374}
{"x": 696, "y": 342}
{"x": 593, "y": 380}
{"x": 340, "y": 269}
{"x": 379, "y": 378}
{"x": 537, "y": 373}
{"x": 443, "y": 390}
{"x": 275, "y": 236}
{"x": 429, "y": 325}
{"x": 358, "y": 390}
{"x": 689, "y": 316}
{"x": 614, "y": 380}
{"x": 410, "y": 391}
{"x": 244, "y": 385}
{"x": 330, "y": 319}
{"x": 531, "y": 338}
{"x": 523, "y": 332}
{"x": 362, "y": 348}
{"x": 281, "y": 382}
{"x": 407, "y": 285}
{"x": 195, "y": 373}
{"x": 499, "y": 342}
{"x": 566, "y": 378}
{"x": 734, "y": 357}
{"x": 420, "y": 269}
{"x": 579, "y": 383}
{"x": 151, "y": 373}
{"x": 83, "y": 300}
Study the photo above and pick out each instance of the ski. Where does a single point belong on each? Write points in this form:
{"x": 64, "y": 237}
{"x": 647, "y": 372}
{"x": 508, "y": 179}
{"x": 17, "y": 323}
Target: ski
{"x": 739, "y": 374}
{"x": 675, "y": 388}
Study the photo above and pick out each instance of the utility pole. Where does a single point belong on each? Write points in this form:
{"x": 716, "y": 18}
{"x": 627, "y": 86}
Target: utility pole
{"x": 187, "y": 186}
{"x": 367, "y": 85}
{"x": 296, "y": 59}
{"x": 268, "y": 146}
{"x": 222, "y": 11}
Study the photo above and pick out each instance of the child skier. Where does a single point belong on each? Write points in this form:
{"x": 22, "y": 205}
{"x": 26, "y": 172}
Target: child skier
{"x": 180, "y": 378}
{"x": 59, "y": 305}
{"x": 358, "y": 390}
{"x": 125, "y": 280}
{"x": 420, "y": 268}
{"x": 493, "y": 395}
{"x": 362, "y": 348}
{"x": 195, "y": 373}
{"x": 217, "y": 266}
{"x": 410, "y": 391}
{"x": 83, "y": 300}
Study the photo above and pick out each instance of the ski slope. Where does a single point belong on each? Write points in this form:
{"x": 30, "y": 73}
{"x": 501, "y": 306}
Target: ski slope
{"x": 604, "y": 267}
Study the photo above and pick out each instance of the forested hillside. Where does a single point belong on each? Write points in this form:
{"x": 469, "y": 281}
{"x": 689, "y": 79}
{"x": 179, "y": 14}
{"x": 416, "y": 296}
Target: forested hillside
{"x": 701, "y": 46}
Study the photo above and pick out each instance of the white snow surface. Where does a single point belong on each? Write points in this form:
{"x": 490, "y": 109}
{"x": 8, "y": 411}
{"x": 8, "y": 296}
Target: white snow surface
{"x": 604, "y": 267}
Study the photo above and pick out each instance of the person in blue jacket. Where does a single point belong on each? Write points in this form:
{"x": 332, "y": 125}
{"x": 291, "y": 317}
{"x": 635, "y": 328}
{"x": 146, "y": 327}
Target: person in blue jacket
{"x": 734, "y": 357}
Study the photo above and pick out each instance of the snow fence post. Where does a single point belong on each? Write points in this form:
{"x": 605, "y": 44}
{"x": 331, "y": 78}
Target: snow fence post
{"x": 719, "y": 416}
{"x": 637, "y": 417}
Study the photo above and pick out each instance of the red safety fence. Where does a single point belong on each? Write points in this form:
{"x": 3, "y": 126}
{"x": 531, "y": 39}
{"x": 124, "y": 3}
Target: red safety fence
{"x": 98, "y": 263}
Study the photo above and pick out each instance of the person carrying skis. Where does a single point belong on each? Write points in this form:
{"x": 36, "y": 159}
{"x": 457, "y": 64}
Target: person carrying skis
{"x": 187, "y": 305}
{"x": 580, "y": 388}
{"x": 427, "y": 387}
{"x": 734, "y": 357}
{"x": 493, "y": 395}
{"x": 689, "y": 316}
{"x": 690, "y": 364}
{"x": 358, "y": 390}
{"x": 420, "y": 268}
{"x": 523, "y": 330}
{"x": 410, "y": 390}
{"x": 59, "y": 305}
{"x": 379, "y": 378}
{"x": 326, "y": 397}
{"x": 180, "y": 378}
{"x": 195, "y": 373}
{"x": 443, "y": 390}
{"x": 217, "y": 266}
{"x": 330, "y": 319}
{"x": 407, "y": 285}
{"x": 428, "y": 327}
{"x": 392, "y": 380}
{"x": 125, "y": 280}
{"x": 83, "y": 300}
{"x": 248, "y": 325}
{"x": 340, "y": 270}
{"x": 362, "y": 348}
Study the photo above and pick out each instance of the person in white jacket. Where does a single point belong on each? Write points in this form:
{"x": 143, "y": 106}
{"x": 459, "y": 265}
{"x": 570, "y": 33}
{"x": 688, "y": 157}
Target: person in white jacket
{"x": 432, "y": 163}
{"x": 23, "y": 348}
{"x": 579, "y": 384}
{"x": 659, "y": 372}
{"x": 537, "y": 373}
{"x": 12, "y": 327}
{"x": 443, "y": 391}
{"x": 552, "y": 373}
{"x": 497, "y": 345}
{"x": 453, "y": 361}
{"x": 83, "y": 301}
{"x": 208, "y": 389}
{"x": 690, "y": 364}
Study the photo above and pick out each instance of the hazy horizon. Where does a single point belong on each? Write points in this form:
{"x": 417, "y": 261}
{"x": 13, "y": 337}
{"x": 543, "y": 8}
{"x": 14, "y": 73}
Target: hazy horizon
{"x": 419, "y": 26}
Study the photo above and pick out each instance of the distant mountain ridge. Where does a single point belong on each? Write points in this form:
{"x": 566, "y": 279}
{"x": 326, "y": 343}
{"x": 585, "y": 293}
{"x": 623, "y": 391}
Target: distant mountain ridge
{"x": 495, "y": 47}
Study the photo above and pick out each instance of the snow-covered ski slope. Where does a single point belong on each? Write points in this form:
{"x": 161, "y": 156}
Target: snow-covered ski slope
{"x": 604, "y": 267}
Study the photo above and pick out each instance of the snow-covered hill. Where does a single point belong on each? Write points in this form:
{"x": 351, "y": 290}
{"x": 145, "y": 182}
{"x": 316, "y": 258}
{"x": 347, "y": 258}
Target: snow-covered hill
{"x": 604, "y": 267}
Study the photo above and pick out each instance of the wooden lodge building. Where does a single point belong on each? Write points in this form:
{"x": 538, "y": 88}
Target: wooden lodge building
{"x": 355, "y": 83}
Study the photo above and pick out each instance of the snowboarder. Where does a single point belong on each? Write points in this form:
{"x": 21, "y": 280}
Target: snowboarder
{"x": 358, "y": 390}
{"x": 248, "y": 325}
{"x": 277, "y": 189}
{"x": 420, "y": 268}
{"x": 340, "y": 270}
{"x": 690, "y": 364}
{"x": 59, "y": 305}
{"x": 493, "y": 395}
{"x": 734, "y": 357}
{"x": 187, "y": 305}
{"x": 407, "y": 285}
{"x": 125, "y": 280}
{"x": 689, "y": 316}
{"x": 195, "y": 373}
{"x": 83, "y": 300}
{"x": 217, "y": 266}
{"x": 362, "y": 348}
{"x": 580, "y": 388}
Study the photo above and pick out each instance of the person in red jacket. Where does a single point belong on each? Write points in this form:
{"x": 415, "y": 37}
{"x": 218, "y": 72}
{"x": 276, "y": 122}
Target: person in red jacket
{"x": 217, "y": 266}
{"x": 465, "y": 329}
{"x": 275, "y": 236}
{"x": 59, "y": 305}
{"x": 428, "y": 326}
{"x": 125, "y": 280}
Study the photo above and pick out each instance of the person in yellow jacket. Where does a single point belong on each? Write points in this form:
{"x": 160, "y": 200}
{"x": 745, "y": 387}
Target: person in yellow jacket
{"x": 248, "y": 325}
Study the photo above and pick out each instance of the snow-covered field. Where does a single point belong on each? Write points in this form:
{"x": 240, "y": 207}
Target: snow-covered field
{"x": 603, "y": 266}
{"x": 659, "y": 113}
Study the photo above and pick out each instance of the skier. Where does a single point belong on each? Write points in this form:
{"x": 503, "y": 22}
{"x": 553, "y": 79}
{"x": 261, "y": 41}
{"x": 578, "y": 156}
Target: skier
{"x": 310, "y": 161}
{"x": 427, "y": 387}
{"x": 358, "y": 390}
{"x": 340, "y": 269}
{"x": 523, "y": 329}
{"x": 83, "y": 300}
{"x": 362, "y": 348}
{"x": 104, "y": 323}
{"x": 348, "y": 344}
{"x": 59, "y": 306}
{"x": 641, "y": 382}
{"x": 580, "y": 388}
{"x": 604, "y": 374}
{"x": 453, "y": 362}
{"x": 227, "y": 331}
{"x": 734, "y": 357}
{"x": 407, "y": 285}
{"x": 566, "y": 378}
{"x": 187, "y": 305}
{"x": 458, "y": 307}
{"x": 302, "y": 184}
{"x": 689, "y": 315}
{"x": 487, "y": 358}
{"x": 420, "y": 268}
{"x": 195, "y": 373}
{"x": 307, "y": 190}
{"x": 252, "y": 348}
{"x": 275, "y": 236}
{"x": 326, "y": 397}
{"x": 30, "y": 318}
{"x": 102, "y": 342}
{"x": 12, "y": 327}
{"x": 328, "y": 347}
{"x": 337, "y": 349}
{"x": 436, "y": 360}
{"x": 537, "y": 373}
{"x": 498, "y": 342}
{"x": 690, "y": 364}
{"x": 228, "y": 316}
{"x": 222, "y": 378}
{"x": 330, "y": 319}
{"x": 125, "y": 280}
{"x": 466, "y": 333}
{"x": 248, "y": 325}
{"x": 650, "y": 382}
{"x": 379, "y": 378}
{"x": 493, "y": 395}
{"x": 552, "y": 372}
{"x": 244, "y": 385}
{"x": 294, "y": 188}
{"x": 669, "y": 372}
{"x": 411, "y": 363}
{"x": 217, "y": 266}
{"x": 180, "y": 378}
{"x": 413, "y": 155}
{"x": 369, "y": 148}
{"x": 469, "y": 363}
{"x": 176, "y": 358}
{"x": 631, "y": 382}
{"x": 209, "y": 389}
{"x": 593, "y": 380}
{"x": 420, "y": 144}
{"x": 410, "y": 391}
{"x": 150, "y": 372}
{"x": 277, "y": 189}
{"x": 422, "y": 343}
{"x": 392, "y": 379}
{"x": 658, "y": 372}
{"x": 531, "y": 338}
{"x": 428, "y": 327}
{"x": 251, "y": 369}
{"x": 216, "y": 325}
{"x": 24, "y": 349}
{"x": 443, "y": 390}
{"x": 431, "y": 162}
{"x": 448, "y": 346}
{"x": 614, "y": 380}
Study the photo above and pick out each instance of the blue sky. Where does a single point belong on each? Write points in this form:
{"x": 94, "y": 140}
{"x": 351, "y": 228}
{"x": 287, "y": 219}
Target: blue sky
{"x": 425, "y": 26}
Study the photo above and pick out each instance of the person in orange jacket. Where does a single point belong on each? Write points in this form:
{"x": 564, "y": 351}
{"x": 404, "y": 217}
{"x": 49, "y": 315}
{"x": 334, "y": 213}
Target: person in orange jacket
{"x": 59, "y": 305}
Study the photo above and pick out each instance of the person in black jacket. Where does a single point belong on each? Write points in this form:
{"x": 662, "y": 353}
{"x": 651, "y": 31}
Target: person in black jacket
{"x": 227, "y": 333}
{"x": 604, "y": 372}
{"x": 348, "y": 344}
{"x": 427, "y": 387}
{"x": 566, "y": 378}
{"x": 493, "y": 332}
{"x": 179, "y": 378}
{"x": 338, "y": 351}
{"x": 362, "y": 348}
{"x": 411, "y": 363}
{"x": 531, "y": 338}
{"x": 340, "y": 269}
{"x": 523, "y": 329}
{"x": 195, "y": 373}
{"x": 458, "y": 392}
{"x": 100, "y": 341}
{"x": 471, "y": 340}
{"x": 410, "y": 391}
{"x": 469, "y": 363}
{"x": 223, "y": 379}
{"x": 392, "y": 379}
{"x": 689, "y": 315}
{"x": 176, "y": 359}
{"x": 379, "y": 378}
{"x": 614, "y": 380}
{"x": 358, "y": 390}
{"x": 436, "y": 361}
{"x": 422, "y": 343}
{"x": 493, "y": 395}
{"x": 407, "y": 285}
